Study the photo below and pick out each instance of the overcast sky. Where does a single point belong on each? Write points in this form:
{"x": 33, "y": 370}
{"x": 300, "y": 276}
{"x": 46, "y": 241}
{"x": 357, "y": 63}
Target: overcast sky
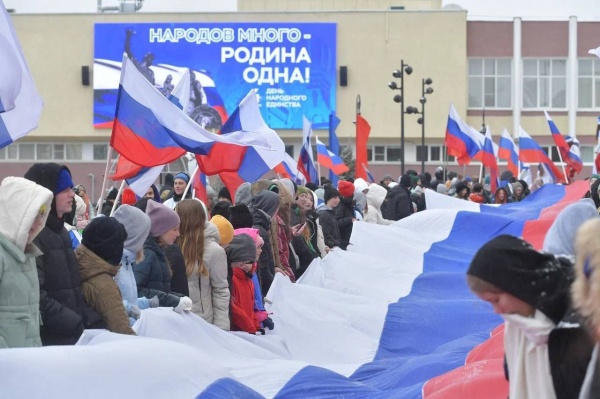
{"x": 533, "y": 9}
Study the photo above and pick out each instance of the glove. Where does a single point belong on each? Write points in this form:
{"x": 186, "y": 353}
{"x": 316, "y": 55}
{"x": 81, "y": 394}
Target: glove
{"x": 135, "y": 312}
{"x": 268, "y": 323}
{"x": 260, "y": 331}
{"x": 153, "y": 302}
{"x": 185, "y": 304}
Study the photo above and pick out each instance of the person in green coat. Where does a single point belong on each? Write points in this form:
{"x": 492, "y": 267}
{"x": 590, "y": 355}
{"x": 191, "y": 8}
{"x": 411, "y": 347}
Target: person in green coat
{"x": 24, "y": 208}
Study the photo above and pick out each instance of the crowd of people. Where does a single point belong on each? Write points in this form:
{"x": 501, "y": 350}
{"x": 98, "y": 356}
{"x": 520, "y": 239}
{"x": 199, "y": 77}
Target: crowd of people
{"x": 64, "y": 269}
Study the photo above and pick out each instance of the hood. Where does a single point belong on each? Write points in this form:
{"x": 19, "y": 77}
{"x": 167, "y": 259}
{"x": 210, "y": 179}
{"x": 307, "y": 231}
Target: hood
{"x": 211, "y": 233}
{"x": 560, "y": 236}
{"x": 91, "y": 265}
{"x": 243, "y": 194}
{"x": 324, "y": 207}
{"x": 22, "y": 200}
{"x": 376, "y": 195}
{"x": 360, "y": 199}
{"x": 47, "y": 175}
{"x": 360, "y": 184}
{"x": 266, "y": 201}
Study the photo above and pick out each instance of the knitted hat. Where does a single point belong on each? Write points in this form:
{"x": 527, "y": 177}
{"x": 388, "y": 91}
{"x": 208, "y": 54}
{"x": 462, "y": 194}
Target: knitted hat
{"x": 225, "y": 229}
{"x": 243, "y": 194}
{"x": 224, "y": 193}
{"x": 405, "y": 180}
{"x": 514, "y": 266}
{"x": 302, "y": 190}
{"x": 240, "y": 216}
{"x": 112, "y": 194}
{"x": 345, "y": 188}
{"x": 105, "y": 237}
{"x": 137, "y": 225}
{"x": 388, "y": 177}
{"x": 162, "y": 219}
{"x": 183, "y": 176}
{"x": 330, "y": 193}
{"x": 128, "y": 197}
{"x": 414, "y": 179}
{"x": 241, "y": 249}
{"x": 64, "y": 181}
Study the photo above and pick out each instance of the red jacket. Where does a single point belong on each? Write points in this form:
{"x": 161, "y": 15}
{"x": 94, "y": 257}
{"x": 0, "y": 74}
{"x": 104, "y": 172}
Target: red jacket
{"x": 243, "y": 317}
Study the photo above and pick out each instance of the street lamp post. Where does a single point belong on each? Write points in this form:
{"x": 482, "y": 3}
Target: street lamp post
{"x": 483, "y": 131}
{"x": 425, "y": 89}
{"x": 399, "y": 98}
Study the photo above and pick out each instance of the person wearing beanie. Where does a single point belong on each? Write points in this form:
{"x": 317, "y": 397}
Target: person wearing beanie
{"x": 263, "y": 206}
{"x": 387, "y": 179}
{"x": 222, "y": 208}
{"x": 180, "y": 182}
{"x": 111, "y": 197}
{"x": 462, "y": 191}
{"x": 518, "y": 193}
{"x": 205, "y": 265}
{"x": 137, "y": 226}
{"x": 99, "y": 256}
{"x": 224, "y": 195}
{"x": 24, "y": 209}
{"x": 224, "y": 228}
{"x": 345, "y": 188}
{"x": 243, "y": 194}
{"x": 153, "y": 273}
{"x": 328, "y": 221}
{"x": 397, "y": 204}
{"x": 64, "y": 313}
{"x": 344, "y": 211}
{"x": 240, "y": 216}
{"x": 585, "y": 293}
{"x": 530, "y": 290}
{"x": 128, "y": 197}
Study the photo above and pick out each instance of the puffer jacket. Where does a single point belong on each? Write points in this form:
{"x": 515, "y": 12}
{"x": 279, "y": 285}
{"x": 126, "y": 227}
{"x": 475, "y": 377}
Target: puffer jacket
{"x": 243, "y": 317}
{"x": 19, "y": 285}
{"x": 100, "y": 290}
{"x": 153, "y": 275}
{"x": 329, "y": 223}
{"x": 375, "y": 197}
{"x": 344, "y": 214}
{"x": 210, "y": 294}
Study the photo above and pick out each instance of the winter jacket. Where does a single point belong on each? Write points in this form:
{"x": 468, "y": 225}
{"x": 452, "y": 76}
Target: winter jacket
{"x": 375, "y": 197}
{"x": 329, "y": 223}
{"x": 19, "y": 286}
{"x": 243, "y": 317}
{"x": 266, "y": 262}
{"x": 344, "y": 214}
{"x": 397, "y": 204}
{"x": 153, "y": 275}
{"x": 303, "y": 246}
{"x": 125, "y": 278}
{"x": 210, "y": 294}
{"x": 100, "y": 290}
{"x": 179, "y": 283}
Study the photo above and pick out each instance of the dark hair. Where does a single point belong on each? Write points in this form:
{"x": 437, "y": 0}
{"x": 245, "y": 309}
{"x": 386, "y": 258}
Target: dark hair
{"x": 221, "y": 208}
{"x": 477, "y": 188}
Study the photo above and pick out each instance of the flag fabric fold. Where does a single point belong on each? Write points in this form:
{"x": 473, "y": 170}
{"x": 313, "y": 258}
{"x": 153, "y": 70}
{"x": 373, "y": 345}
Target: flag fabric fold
{"x": 334, "y": 144}
{"x": 508, "y": 151}
{"x": 20, "y": 103}
{"x": 570, "y": 157}
{"x": 488, "y": 158}
{"x": 329, "y": 160}
{"x": 306, "y": 164}
{"x": 288, "y": 168}
{"x": 531, "y": 152}
{"x": 462, "y": 141}
{"x": 362, "y": 137}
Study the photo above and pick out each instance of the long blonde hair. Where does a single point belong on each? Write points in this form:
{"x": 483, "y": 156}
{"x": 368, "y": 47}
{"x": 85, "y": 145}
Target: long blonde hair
{"x": 191, "y": 238}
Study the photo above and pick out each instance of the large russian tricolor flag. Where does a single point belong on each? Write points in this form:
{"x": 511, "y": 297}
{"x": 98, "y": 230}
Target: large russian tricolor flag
{"x": 329, "y": 160}
{"x": 531, "y": 152}
{"x": 404, "y": 327}
{"x": 462, "y": 140}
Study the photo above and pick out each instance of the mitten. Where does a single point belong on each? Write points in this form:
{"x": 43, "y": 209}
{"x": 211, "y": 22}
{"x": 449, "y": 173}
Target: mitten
{"x": 153, "y": 302}
{"x": 185, "y": 304}
{"x": 135, "y": 312}
{"x": 268, "y": 323}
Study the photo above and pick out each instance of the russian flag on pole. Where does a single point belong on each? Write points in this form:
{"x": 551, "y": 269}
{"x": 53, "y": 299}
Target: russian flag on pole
{"x": 329, "y": 160}
{"x": 334, "y": 144}
{"x": 531, "y": 152}
{"x": 409, "y": 329}
{"x": 488, "y": 158}
{"x": 462, "y": 140}
{"x": 20, "y": 103}
{"x": 289, "y": 169}
{"x": 571, "y": 158}
{"x": 369, "y": 174}
{"x": 508, "y": 151}
{"x": 306, "y": 164}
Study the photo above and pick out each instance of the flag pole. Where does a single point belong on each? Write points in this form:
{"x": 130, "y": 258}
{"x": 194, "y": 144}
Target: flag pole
{"x": 119, "y": 193}
{"x": 480, "y": 172}
{"x": 562, "y": 164}
{"x": 191, "y": 182}
{"x": 106, "y": 171}
{"x": 318, "y": 164}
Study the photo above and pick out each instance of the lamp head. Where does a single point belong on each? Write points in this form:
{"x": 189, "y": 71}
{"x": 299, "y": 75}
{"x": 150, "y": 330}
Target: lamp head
{"x": 408, "y": 69}
{"x": 398, "y": 98}
{"x": 429, "y": 90}
{"x": 420, "y": 121}
{"x": 397, "y": 73}
{"x": 422, "y": 100}
{"x": 411, "y": 110}
{"x": 428, "y": 81}
{"x": 392, "y": 85}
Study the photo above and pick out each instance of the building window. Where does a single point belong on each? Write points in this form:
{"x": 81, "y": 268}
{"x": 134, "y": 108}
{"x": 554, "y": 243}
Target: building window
{"x": 100, "y": 152}
{"x": 59, "y": 151}
{"x": 422, "y": 153}
{"x": 393, "y": 154}
{"x": 589, "y": 83}
{"x": 587, "y": 153}
{"x": 490, "y": 83}
{"x": 379, "y": 153}
{"x": 12, "y": 152}
{"x": 27, "y": 152}
{"x": 3, "y": 153}
{"x": 369, "y": 153}
{"x": 44, "y": 152}
{"x": 74, "y": 152}
{"x": 544, "y": 83}
{"x": 436, "y": 153}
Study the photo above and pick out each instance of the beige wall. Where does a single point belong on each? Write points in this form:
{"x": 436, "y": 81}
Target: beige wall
{"x": 371, "y": 44}
{"x": 320, "y": 5}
